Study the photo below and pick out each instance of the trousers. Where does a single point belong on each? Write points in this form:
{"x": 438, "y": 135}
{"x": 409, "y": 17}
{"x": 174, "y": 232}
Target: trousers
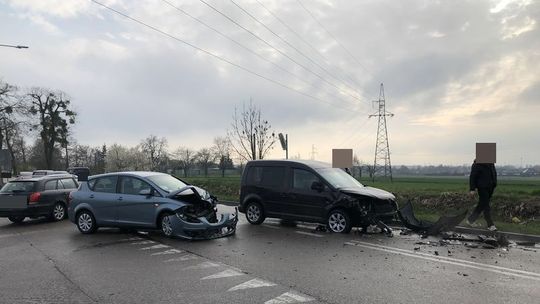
{"x": 484, "y": 195}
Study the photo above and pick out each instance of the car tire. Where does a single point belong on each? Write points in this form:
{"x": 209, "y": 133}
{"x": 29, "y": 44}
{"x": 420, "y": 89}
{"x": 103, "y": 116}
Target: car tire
{"x": 86, "y": 222}
{"x": 255, "y": 213}
{"x": 58, "y": 212}
{"x": 165, "y": 225}
{"x": 16, "y": 219}
{"x": 339, "y": 221}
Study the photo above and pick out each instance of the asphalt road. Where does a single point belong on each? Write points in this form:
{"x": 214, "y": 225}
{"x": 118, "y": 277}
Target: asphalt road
{"x": 44, "y": 262}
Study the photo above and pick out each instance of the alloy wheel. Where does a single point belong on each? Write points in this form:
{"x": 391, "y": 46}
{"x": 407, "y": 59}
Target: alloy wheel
{"x": 166, "y": 226}
{"x": 337, "y": 222}
{"x": 59, "y": 212}
{"x": 85, "y": 222}
{"x": 253, "y": 213}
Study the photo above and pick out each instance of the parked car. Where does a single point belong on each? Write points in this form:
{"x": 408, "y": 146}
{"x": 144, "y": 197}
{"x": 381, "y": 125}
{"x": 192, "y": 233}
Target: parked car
{"x": 36, "y": 196}
{"x": 148, "y": 200}
{"x": 82, "y": 173}
{"x": 312, "y": 191}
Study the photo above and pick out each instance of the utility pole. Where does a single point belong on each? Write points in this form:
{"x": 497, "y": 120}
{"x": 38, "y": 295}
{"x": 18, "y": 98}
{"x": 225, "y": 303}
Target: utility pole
{"x": 382, "y": 149}
{"x": 313, "y": 152}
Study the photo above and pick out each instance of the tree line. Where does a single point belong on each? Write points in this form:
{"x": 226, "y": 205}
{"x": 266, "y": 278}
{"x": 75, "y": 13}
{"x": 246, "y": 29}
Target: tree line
{"x": 36, "y": 131}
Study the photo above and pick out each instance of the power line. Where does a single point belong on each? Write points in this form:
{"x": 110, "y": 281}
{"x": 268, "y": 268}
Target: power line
{"x": 290, "y": 45}
{"x": 326, "y": 60}
{"x": 276, "y": 49}
{"x": 244, "y": 47}
{"x": 333, "y": 37}
{"x": 217, "y": 56}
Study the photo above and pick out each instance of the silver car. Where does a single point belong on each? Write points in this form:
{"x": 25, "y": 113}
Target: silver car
{"x": 148, "y": 200}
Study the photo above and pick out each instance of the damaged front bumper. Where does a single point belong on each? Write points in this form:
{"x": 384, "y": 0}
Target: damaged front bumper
{"x": 201, "y": 229}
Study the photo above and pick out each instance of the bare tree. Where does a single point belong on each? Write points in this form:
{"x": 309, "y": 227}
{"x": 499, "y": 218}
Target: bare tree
{"x": 117, "y": 158}
{"x": 221, "y": 150}
{"x": 205, "y": 158}
{"x": 55, "y": 118}
{"x": 250, "y": 135}
{"x": 186, "y": 158}
{"x": 155, "y": 150}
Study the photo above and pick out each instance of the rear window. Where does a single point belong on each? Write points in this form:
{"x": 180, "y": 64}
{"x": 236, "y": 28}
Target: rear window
{"x": 50, "y": 185}
{"x": 69, "y": 183}
{"x": 14, "y": 187}
{"x": 104, "y": 184}
{"x": 271, "y": 177}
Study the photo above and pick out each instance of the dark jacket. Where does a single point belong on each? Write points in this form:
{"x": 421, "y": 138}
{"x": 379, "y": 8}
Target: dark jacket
{"x": 483, "y": 176}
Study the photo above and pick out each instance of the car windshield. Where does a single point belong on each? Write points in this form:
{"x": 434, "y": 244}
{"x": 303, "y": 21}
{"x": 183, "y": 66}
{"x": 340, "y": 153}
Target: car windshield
{"x": 14, "y": 187}
{"x": 339, "y": 178}
{"x": 167, "y": 182}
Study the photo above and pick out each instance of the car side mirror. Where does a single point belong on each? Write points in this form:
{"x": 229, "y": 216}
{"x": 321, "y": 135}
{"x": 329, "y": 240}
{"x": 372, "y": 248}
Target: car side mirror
{"x": 146, "y": 192}
{"x": 317, "y": 186}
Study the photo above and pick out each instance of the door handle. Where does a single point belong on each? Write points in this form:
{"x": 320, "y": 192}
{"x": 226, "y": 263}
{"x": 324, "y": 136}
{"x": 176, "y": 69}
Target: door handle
{"x": 120, "y": 198}
{"x": 91, "y": 196}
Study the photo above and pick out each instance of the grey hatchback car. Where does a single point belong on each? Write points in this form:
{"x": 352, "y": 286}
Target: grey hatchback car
{"x": 148, "y": 200}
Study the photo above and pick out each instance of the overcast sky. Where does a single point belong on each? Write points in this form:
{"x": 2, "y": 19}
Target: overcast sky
{"x": 454, "y": 72}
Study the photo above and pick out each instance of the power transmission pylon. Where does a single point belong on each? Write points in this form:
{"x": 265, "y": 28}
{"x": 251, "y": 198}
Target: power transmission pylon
{"x": 382, "y": 149}
{"x": 313, "y": 152}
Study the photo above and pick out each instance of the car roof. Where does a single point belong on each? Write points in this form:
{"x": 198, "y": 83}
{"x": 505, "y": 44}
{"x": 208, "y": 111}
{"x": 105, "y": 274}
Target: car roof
{"x": 129, "y": 173}
{"x": 270, "y": 162}
{"x": 34, "y": 178}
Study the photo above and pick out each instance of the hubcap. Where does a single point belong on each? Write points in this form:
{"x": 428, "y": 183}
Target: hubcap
{"x": 85, "y": 222}
{"x": 337, "y": 222}
{"x": 253, "y": 213}
{"x": 166, "y": 225}
{"x": 59, "y": 212}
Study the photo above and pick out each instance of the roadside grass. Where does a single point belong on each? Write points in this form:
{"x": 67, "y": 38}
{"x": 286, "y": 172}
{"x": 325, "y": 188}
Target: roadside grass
{"x": 509, "y": 192}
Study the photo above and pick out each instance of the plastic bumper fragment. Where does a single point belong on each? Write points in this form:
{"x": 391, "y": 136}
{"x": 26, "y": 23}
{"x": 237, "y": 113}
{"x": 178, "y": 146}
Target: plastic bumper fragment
{"x": 203, "y": 229}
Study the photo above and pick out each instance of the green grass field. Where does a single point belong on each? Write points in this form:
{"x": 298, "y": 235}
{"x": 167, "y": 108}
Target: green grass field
{"x": 431, "y": 196}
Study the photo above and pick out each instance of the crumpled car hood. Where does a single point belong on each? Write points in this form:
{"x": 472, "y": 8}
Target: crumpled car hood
{"x": 201, "y": 192}
{"x": 370, "y": 191}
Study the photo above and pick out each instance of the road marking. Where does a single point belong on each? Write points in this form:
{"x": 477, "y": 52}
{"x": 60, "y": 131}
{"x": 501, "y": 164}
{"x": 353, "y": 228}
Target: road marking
{"x": 224, "y": 274}
{"x": 143, "y": 243}
{"x": 167, "y": 252}
{"x": 309, "y": 233}
{"x": 203, "y": 265}
{"x": 158, "y": 246}
{"x": 255, "y": 283}
{"x": 290, "y": 297}
{"x": 271, "y": 226}
{"x": 449, "y": 260}
{"x": 186, "y": 257}
{"x": 131, "y": 239}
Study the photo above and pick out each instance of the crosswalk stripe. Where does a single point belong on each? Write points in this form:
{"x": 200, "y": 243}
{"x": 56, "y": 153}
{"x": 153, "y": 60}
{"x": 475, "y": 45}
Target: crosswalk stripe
{"x": 290, "y": 297}
{"x": 255, "y": 283}
{"x": 203, "y": 265}
{"x": 309, "y": 233}
{"x": 167, "y": 252}
{"x": 186, "y": 257}
{"x": 159, "y": 246}
{"x": 143, "y": 243}
{"x": 224, "y": 274}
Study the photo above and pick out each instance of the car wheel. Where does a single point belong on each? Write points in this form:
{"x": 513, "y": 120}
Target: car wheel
{"x": 165, "y": 224}
{"x": 58, "y": 212}
{"x": 339, "y": 221}
{"x": 255, "y": 213}
{"x": 16, "y": 219}
{"x": 86, "y": 222}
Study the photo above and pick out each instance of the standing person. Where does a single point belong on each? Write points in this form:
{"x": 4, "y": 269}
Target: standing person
{"x": 483, "y": 178}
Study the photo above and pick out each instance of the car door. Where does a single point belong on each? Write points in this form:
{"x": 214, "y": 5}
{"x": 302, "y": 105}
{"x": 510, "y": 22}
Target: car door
{"x": 269, "y": 183}
{"x": 301, "y": 199}
{"x": 104, "y": 199}
{"x": 135, "y": 209}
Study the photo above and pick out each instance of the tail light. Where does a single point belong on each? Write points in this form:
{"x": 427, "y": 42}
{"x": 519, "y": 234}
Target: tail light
{"x": 34, "y": 197}
{"x": 70, "y": 198}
